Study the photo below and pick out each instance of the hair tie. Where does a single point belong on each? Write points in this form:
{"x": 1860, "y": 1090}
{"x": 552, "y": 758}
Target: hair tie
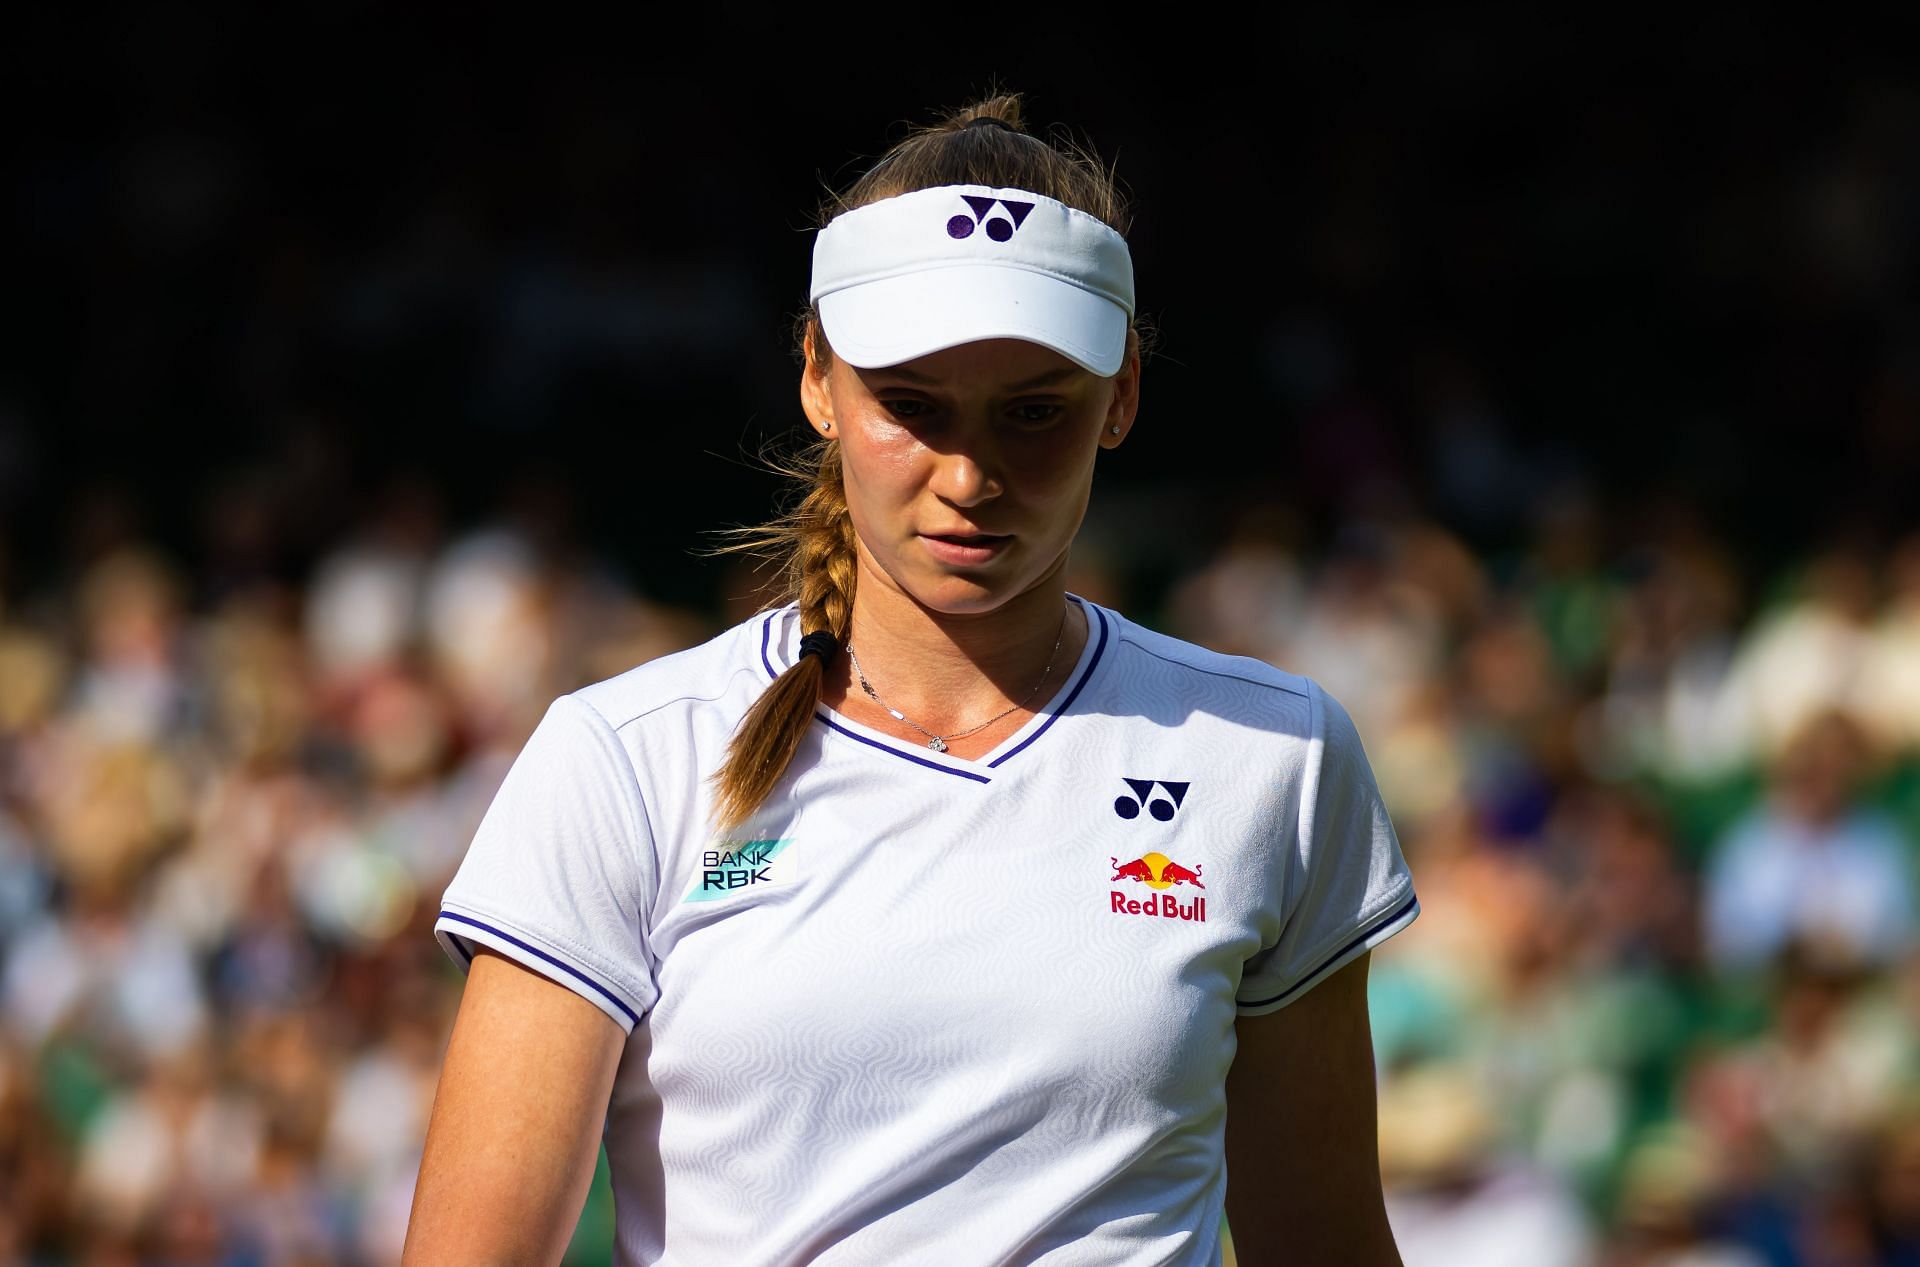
{"x": 987, "y": 120}
{"x": 821, "y": 643}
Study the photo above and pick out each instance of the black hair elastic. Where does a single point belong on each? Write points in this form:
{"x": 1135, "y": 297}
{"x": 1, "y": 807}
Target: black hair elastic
{"x": 987, "y": 120}
{"x": 821, "y": 643}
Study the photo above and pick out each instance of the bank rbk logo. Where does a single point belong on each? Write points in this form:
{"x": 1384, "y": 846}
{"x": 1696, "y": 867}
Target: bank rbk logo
{"x": 733, "y": 865}
{"x": 999, "y": 228}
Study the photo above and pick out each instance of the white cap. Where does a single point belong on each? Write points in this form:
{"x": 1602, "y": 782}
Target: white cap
{"x": 936, "y": 268}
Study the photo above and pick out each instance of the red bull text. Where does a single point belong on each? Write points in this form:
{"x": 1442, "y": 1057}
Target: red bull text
{"x": 1157, "y": 871}
{"x": 1160, "y": 904}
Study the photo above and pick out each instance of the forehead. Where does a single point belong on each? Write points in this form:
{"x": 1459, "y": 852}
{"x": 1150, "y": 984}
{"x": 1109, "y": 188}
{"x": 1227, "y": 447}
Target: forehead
{"x": 1004, "y": 364}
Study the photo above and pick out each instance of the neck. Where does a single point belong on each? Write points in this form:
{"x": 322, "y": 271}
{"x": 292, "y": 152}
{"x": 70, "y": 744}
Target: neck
{"x": 949, "y": 671}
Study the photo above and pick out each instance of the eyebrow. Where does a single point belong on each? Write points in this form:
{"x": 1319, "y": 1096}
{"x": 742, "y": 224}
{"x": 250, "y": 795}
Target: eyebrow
{"x": 1047, "y": 379}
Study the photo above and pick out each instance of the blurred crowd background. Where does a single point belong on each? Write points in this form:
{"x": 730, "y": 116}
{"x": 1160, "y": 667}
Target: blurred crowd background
{"x": 1550, "y": 392}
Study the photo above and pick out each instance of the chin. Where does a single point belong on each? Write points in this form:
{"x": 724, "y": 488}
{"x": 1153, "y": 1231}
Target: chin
{"x": 971, "y": 594}
{"x": 961, "y": 596}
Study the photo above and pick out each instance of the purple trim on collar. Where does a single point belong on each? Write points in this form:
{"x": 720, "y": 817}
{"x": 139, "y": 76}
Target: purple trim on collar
{"x": 766, "y": 635}
{"x": 904, "y": 756}
{"x": 766, "y": 659}
{"x": 1099, "y": 649}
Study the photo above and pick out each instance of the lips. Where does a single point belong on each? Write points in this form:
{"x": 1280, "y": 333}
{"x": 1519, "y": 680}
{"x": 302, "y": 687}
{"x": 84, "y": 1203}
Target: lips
{"x": 965, "y": 547}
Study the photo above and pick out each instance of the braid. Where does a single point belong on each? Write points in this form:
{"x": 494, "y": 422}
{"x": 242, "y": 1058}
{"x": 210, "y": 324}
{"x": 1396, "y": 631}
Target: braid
{"x": 823, "y": 572}
{"x": 817, "y": 536}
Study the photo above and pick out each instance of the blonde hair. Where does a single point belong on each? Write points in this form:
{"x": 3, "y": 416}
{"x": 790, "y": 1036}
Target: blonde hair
{"x": 814, "y": 541}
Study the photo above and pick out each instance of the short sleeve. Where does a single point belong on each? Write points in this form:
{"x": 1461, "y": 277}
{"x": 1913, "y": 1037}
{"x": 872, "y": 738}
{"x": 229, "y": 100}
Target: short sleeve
{"x": 1347, "y": 887}
{"x": 559, "y": 872}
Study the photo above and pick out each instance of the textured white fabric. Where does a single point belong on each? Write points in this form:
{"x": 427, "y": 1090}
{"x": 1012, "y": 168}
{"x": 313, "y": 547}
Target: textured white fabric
{"x": 935, "y": 268}
{"x": 930, "y": 1009}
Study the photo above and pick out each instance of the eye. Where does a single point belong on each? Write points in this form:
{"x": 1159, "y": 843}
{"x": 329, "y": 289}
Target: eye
{"x": 906, "y": 407}
{"x": 1035, "y": 413}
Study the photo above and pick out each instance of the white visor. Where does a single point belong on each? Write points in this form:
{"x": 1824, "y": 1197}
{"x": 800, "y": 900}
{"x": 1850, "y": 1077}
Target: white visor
{"x": 936, "y": 268}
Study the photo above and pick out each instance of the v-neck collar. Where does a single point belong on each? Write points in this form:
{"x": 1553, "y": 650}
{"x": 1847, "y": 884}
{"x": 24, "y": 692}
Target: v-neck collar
{"x": 779, "y": 642}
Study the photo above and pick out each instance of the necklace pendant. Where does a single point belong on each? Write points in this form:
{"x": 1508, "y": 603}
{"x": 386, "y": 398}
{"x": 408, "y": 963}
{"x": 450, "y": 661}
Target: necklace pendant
{"x": 937, "y": 744}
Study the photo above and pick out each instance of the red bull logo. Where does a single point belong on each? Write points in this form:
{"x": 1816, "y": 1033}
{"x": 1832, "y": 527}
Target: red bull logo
{"x": 1158, "y": 872}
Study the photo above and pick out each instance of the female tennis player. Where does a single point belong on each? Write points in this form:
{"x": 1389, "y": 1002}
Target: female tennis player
{"x": 940, "y": 916}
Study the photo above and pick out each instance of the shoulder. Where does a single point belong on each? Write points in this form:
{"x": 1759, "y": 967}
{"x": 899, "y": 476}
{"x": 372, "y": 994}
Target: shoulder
{"x": 1170, "y": 679}
{"x": 1174, "y": 657}
{"x": 721, "y": 675}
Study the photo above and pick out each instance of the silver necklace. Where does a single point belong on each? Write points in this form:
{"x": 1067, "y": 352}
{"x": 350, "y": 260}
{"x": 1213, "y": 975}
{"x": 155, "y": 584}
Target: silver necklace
{"x": 939, "y": 742}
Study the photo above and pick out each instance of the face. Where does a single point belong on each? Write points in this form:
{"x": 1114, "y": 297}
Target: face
{"x": 968, "y": 470}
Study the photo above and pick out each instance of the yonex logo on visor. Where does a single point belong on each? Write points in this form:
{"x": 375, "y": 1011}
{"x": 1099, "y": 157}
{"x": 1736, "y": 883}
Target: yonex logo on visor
{"x": 999, "y": 228}
{"x": 922, "y": 271}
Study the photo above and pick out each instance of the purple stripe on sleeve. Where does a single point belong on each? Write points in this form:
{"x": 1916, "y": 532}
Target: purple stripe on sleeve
{"x": 565, "y": 967}
{"x": 1400, "y": 912}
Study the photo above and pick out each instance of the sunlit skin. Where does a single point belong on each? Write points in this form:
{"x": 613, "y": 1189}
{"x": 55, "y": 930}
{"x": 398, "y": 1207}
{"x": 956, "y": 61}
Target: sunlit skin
{"x": 967, "y": 475}
{"x": 953, "y": 442}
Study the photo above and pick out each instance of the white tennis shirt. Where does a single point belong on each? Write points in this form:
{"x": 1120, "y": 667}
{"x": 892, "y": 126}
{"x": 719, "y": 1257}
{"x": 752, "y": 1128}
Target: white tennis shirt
{"x": 927, "y": 1009}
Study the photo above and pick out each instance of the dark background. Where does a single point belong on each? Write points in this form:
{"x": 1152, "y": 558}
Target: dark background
{"x": 276, "y": 267}
{"x": 1547, "y": 389}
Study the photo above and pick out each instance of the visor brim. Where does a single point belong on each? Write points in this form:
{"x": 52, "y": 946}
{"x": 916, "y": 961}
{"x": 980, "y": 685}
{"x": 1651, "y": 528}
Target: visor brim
{"x": 896, "y": 319}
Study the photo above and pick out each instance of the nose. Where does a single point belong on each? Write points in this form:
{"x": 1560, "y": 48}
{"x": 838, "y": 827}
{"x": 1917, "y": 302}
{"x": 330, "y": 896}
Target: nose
{"x": 969, "y": 476}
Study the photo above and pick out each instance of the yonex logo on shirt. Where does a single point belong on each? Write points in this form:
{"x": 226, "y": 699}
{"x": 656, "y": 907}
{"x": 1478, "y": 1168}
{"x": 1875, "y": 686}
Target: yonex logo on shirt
{"x": 999, "y": 228}
{"x": 1160, "y": 807}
